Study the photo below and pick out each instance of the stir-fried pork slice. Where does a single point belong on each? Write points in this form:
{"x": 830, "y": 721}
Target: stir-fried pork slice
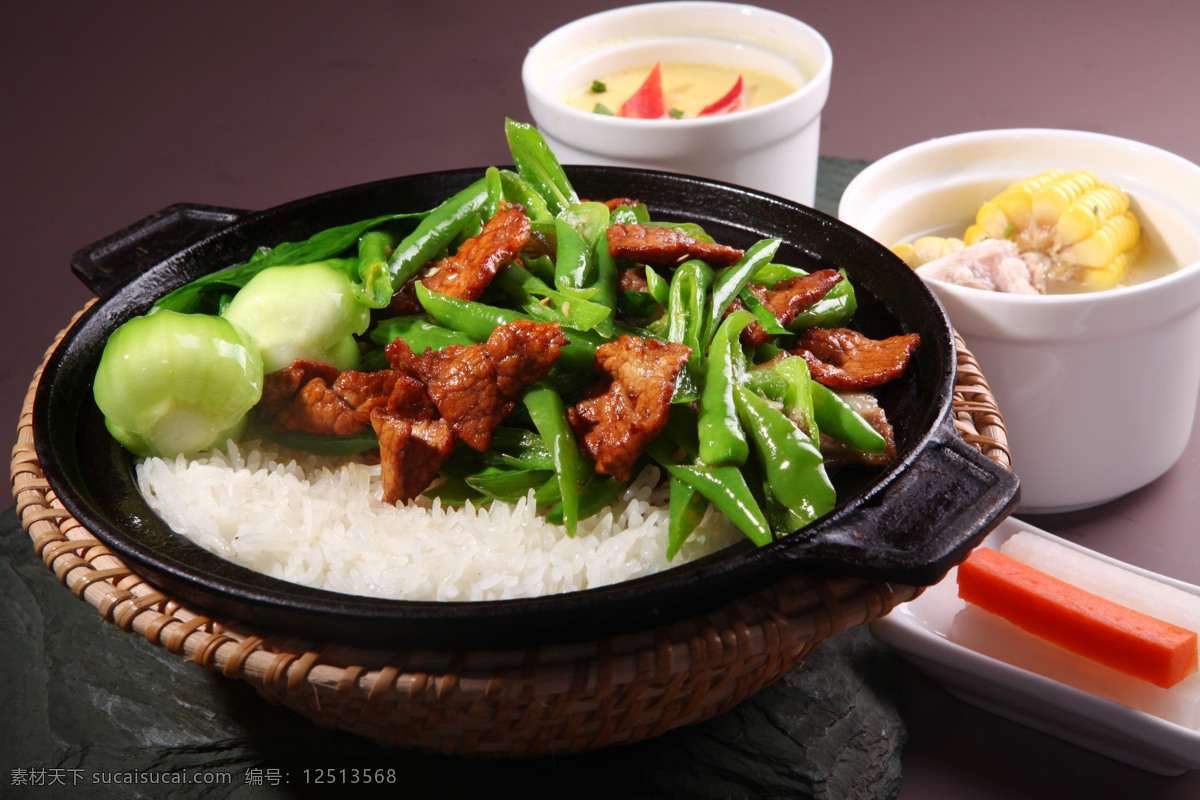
{"x": 468, "y": 272}
{"x": 786, "y": 299}
{"x": 475, "y": 386}
{"x": 843, "y": 359}
{"x": 633, "y": 279}
{"x": 472, "y": 388}
{"x": 392, "y": 390}
{"x": 404, "y": 302}
{"x": 664, "y": 246}
{"x": 523, "y": 352}
{"x": 281, "y": 386}
{"x": 461, "y": 381}
{"x": 620, "y": 415}
{"x": 318, "y": 408}
{"x": 365, "y": 390}
{"x": 410, "y": 453}
{"x": 994, "y": 265}
{"x": 402, "y": 358}
{"x": 314, "y": 397}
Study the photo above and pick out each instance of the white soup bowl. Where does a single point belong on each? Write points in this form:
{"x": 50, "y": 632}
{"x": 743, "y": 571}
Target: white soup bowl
{"x": 1098, "y": 391}
{"x": 772, "y": 148}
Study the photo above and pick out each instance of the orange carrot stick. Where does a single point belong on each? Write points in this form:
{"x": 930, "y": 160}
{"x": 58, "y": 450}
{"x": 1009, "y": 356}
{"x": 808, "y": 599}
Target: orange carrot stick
{"x": 1091, "y": 626}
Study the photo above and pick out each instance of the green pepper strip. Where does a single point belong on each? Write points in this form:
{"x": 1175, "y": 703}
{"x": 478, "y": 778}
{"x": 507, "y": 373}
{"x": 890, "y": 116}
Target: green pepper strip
{"x": 762, "y": 314}
{"x": 478, "y": 320}
{"x": 453, "y": 492}
{"x": 583, "y": 266}
{"x": 724, "y": 487}
{"x": 512, "y": 449}
{"x": 789, "y": 383}
{"x": 687, "y": 306}
{"x": 417, "y": 332}
{"x": 325, "y": 444}
{"x": 837, "y": 418}
{"x": 495, "y": 192}
{"x": 519, "y": 447}
{"x": 529, "y": 291}
{"x": 630, "y": 215}
{"x": 375, "y": 286}
{"x": 729, "y": 282}
{"x": 507, "y": 485}
{"x": 549, "y": 416}
{"x": 765, "y": 352}
{"x": 545, "y": 233}
{"x": 690, "y": 229}
{"x": 658, "y": 287}
{"x": 578, "y": 227}
{"x": 435, "y": 232}
{"x": 773, "y": 273}
{"x": 518, "y": 192}
{"x": 791, "y": 462}
{"x": 766, "y": 382}
{"x": 686, "y": 510}
{"x": 722, "y": 440}
{"x": 606, "y": 281}
{"x": 572, "y": 258}
{"x": 834, "y": 310}
{"x": 639, "y": 305}
{"x": 594, "y": 496}
{"x": 538, "y": 166}
{"x": 541, "y": 266}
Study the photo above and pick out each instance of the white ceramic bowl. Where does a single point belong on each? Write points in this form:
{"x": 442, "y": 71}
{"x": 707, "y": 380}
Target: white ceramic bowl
{"x": 772, "y": 148}
{"x": 1098, "y": 391}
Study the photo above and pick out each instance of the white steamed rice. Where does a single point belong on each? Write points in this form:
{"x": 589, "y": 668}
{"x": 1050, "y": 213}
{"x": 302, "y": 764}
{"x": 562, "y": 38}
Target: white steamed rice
{"x": 320, "y": 522}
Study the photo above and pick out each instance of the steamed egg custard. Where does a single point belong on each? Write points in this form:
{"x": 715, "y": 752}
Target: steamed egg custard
{"x": 688, "y": 89}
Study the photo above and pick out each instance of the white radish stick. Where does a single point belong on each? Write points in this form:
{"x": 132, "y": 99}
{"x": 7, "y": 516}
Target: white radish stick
{"x": 1109, "y": 581}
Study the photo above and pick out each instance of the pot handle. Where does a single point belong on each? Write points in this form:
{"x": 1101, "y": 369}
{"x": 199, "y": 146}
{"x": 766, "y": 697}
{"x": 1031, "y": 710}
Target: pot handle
{"x": 927, "y": 519}
{"x": 112, "y": 262}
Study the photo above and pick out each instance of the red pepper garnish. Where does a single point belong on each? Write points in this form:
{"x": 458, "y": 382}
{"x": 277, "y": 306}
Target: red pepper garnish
{"x": 734, "y": 100}
{"x": 648, "y": 102}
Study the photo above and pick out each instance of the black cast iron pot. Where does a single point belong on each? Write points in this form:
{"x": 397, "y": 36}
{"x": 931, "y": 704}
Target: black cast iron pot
{"x": 907, "y": 524}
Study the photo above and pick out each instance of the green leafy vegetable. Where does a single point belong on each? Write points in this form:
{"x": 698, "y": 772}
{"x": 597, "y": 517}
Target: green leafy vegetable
{"x": 206, "y": 295}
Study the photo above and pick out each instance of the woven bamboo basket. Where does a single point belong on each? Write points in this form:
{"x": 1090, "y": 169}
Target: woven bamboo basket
{"x": 555, "y": 699}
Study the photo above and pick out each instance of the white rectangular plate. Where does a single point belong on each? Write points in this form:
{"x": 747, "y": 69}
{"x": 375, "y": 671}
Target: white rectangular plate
{"x": 920, "y": 630}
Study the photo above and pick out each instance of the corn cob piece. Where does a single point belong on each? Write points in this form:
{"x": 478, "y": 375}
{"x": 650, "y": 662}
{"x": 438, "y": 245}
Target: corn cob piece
{"x": 1052, "y": 199}
{"x": 1106, "y": 255}
{"x": 1089, "y": 213}
{"x": 1084, "y": 225}
{"x": 1091, "y": 280}
{"x": 1013, "y": 207}
{"x": 927, "y": 248}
